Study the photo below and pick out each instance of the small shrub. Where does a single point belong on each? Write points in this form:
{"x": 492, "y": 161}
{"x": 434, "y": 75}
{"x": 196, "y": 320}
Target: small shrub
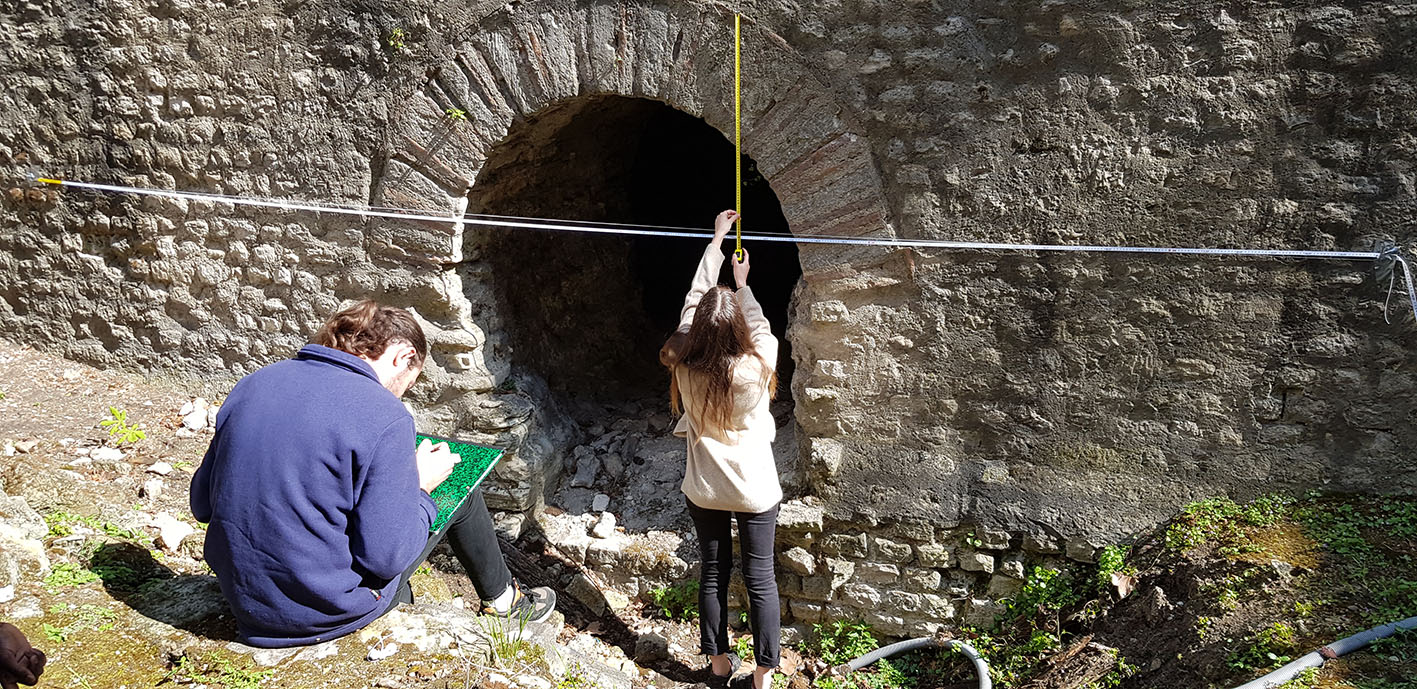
{"x": 677, "y": 602}
{"x": 456, "y": 114}
{"x": 121, "y": 432}
{"x": 1112, "y": 560}
{"x": 1046, "y": 591}
{"x": 842, "y": 641}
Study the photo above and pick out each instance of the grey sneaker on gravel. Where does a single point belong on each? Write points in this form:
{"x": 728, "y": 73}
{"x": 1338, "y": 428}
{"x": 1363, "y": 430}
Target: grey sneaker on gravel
{"x": 532, "y": 605}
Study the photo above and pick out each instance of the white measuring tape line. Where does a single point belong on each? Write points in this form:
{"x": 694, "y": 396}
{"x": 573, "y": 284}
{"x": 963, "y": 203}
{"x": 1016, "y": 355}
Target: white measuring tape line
{"x": 1387, "y": 253}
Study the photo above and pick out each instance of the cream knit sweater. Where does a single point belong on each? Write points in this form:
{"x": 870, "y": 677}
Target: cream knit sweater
{"x": 730, "y": 468}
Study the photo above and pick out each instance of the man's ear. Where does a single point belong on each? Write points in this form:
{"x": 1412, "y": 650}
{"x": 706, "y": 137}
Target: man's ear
{"x": 407, "y": 356}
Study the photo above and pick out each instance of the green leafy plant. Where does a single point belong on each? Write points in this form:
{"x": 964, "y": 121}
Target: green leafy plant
{"x": 456, "y": 114}
{"x": 1268, "y": 648}
{"x": 677, "y": 602}
{"x": 396, "y": 40}
{"x": 1112, "y": 560}
{"x": 743, "y": 646}
{"x": 1400, "y": 647}
{"x": 840, "y": 642}
{"x": 68, "y": 574}
{"x": 53, "y": 633}
{"x": 121, "y": 432}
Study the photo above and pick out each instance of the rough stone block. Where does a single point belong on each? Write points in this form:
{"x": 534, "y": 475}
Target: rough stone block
{"x": 904, "y": 603}
{"x": 920, "y": 628}
{"x": 796, "y": 515}
{"x": 1012, "y": 566}
{"x": 971, "y": 561}
{"x": 878, "y": 573}
{"x": 583, "y": 590}
{"x": 605, "y": 551}
{"x": 891, "y": 551}
{"x": 805, "y": 611}
{"x": 938, "y": 607}
{"x": 980, "y": 612}
{"x": 799, "y": 562}
{"x": 826, "y": 456}
{"x": 832, "y": 311}
{"x": 861, "y": 595}
{"x": 918, "y": 531}
{"x": 1042, "y": 544}
{"x": 938, "y": 556}
{"x": 883, "y": 622}
{"x": 1003, "y": 587}
{"x": 922, "y": 579}
{"x": 993, "y": 539}
{"x": 840, "y": 571}
{"x": 1082, "y": 550}
{"x": 844, "y": 545}
{"x": 818, "y": 588}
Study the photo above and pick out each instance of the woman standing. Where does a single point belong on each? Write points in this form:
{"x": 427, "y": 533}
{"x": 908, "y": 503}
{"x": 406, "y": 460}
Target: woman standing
{"x": 722, "y": 364}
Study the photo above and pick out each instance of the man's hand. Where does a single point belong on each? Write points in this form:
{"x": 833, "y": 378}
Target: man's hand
{"x": 435, "y": 463}
{"x": 722, "y": 224}
{"x": 19, "y": 663}
{"x": 740, "y": 271}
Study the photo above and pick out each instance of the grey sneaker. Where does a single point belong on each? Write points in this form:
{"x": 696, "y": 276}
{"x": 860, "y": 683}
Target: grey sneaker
{"x": 533, "y": 605}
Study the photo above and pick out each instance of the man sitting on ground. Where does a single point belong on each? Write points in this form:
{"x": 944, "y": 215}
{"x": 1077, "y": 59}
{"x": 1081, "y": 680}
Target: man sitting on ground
{"x": 317, "y": 500}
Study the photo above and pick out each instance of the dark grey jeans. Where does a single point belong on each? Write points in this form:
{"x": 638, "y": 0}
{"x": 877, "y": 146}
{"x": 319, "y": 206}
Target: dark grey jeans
{"x": 757, "y": 534}
{"x": 474, "y": 541}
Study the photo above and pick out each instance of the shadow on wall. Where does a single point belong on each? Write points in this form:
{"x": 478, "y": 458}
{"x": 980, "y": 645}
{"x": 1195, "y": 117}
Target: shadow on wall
{"x": 589, "y": 313}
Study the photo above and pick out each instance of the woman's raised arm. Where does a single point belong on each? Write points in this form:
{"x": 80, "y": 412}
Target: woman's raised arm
{"x": 706, "y": 276}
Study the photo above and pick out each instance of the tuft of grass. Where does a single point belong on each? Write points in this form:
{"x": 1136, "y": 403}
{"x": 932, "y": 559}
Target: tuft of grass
{"x": 86, "y": 616}
{"x": 214, "y": 670}
{"x": 62, "y": 524}
{"x": 511, "y": 651}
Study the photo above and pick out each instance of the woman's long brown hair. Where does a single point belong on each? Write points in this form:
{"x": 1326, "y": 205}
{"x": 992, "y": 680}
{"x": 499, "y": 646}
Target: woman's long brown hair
{"x": 717, "y": 338}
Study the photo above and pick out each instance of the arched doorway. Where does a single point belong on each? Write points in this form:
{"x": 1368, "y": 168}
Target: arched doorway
{"x": 588, "y": 313}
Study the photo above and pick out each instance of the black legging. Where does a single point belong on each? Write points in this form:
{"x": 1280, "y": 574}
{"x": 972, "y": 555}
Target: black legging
{"x": 757, "y": 536}
{"x": 474, "y": 541}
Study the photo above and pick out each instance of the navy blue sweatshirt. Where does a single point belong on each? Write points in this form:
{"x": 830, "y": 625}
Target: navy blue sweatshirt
{"x": 310, "y": 488}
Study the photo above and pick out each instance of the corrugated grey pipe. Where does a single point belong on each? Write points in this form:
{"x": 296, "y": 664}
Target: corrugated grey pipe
{"x": 1329, "y": 652}
{"x": 981, "y": 668}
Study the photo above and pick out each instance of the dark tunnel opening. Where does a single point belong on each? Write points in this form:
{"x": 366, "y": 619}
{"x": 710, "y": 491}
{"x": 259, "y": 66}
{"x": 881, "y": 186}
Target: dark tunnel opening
{"x": 588, "y": 313}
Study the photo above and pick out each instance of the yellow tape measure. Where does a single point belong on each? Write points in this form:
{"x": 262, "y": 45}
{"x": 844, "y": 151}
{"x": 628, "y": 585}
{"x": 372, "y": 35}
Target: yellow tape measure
{"x": 738, "y": 133}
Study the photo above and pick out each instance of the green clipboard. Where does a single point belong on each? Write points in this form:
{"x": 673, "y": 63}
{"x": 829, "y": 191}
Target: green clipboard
{"x": 477, "y": 462}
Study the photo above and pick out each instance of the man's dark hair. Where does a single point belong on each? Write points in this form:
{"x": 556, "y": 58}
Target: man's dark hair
{"x": 368, "y": 328}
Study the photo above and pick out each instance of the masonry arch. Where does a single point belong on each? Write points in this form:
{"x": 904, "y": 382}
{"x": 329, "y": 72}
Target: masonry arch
{"x": 515, "y": 73}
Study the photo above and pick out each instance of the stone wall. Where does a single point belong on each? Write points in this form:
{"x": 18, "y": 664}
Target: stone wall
{"x": 1060, "y": 401}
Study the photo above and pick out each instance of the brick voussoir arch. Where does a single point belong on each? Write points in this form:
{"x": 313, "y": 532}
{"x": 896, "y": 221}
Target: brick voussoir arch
{"x": 512, "y": 66}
